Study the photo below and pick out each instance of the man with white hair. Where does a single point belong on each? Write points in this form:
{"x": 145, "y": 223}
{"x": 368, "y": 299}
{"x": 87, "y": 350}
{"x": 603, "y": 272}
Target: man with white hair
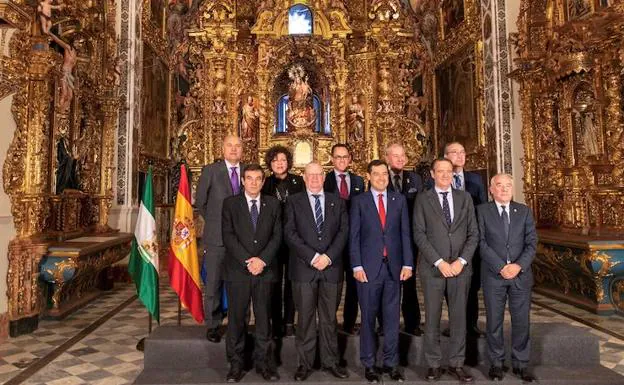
{"x": 508, "y": 241}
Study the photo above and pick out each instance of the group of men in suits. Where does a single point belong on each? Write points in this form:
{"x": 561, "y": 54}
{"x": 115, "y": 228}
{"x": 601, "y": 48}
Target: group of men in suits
{"x": 335, "y": 230}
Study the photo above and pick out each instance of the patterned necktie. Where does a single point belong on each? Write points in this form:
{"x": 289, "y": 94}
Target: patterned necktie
{"x": 397, "y": 183}
{"x": 318, "y": 212}
{"x": 234, "y": 180}
{"x": 382, "y": 219}
{"x": 254, "y": 213}
{"x": 505, "y": 218}
{"x": 344, "y": 189}
{"x": 458, "y": 182}
{"x": 446, "y": 209}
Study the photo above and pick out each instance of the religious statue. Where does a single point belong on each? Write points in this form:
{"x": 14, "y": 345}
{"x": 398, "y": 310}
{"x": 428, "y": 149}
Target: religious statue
{"x": 355, "y": 119}
{"x": 70, "y": 57}
{"x": 250, "y": 120}
{"x": 415, "y": 107}
{"x": 589, "y": 136}
{"x": 300, "y": 111}
{"x": 44, "y": 10}
{"x": 66, "y": 171}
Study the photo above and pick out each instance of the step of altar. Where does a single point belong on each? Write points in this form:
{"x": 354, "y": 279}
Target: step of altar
{"x": 186, "y": 348}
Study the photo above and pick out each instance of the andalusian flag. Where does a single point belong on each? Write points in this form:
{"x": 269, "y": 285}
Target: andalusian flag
{"x": 143, "y": 265}
{"x": 183, "y": 261}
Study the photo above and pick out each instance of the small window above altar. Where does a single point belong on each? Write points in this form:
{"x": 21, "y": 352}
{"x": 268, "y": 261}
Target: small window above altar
{"x": 299, "y": 20}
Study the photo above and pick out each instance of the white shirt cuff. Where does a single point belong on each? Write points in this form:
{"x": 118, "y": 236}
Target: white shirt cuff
{"x": 358, "y": 268}
{"x": 408, "y": 267}
{"x": 439, "y": 261}
{"x": 463, "y": 261}
{"x": 315, "y": 258}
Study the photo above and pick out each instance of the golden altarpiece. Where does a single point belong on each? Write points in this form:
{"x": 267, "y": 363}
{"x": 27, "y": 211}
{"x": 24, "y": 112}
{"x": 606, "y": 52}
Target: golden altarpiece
{"x": 570, "y": 66}
{"x": 58, "y": 171}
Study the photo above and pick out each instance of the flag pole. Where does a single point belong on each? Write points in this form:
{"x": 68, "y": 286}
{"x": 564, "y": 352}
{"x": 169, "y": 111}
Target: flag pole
{"x": 179, "y": 312}
{"x": 141, "y": 344}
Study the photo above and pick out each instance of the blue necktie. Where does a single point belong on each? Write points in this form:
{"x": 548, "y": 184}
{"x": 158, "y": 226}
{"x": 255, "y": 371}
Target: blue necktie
{"x": 458, "y": 181}
{"x": 318, "y": 212}
{"x": 505, "y": 218}
{"x": 254, "y": 213}
{"x": 446, "y": 209}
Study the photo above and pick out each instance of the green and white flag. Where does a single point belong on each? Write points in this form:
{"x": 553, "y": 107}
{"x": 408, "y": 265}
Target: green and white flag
{"x": 143, "y": 265}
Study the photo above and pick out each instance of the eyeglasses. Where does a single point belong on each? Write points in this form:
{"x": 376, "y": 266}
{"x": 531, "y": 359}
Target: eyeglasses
{"x": 341, "y": 157}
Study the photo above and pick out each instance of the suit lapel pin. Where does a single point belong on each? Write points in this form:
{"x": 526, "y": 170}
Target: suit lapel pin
{"x": 515, "y": 210}
{"x": 357, "y": 189}
{"x": 392, "y": 198}
{"x": 407, "y": 180}
{"x": 332, "y": 204}
{"x": 263, "y": 204}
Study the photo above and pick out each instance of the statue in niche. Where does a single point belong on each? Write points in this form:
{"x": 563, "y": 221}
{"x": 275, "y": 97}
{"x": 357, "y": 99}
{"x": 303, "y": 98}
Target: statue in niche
{"x": 356, "y": 119}
{"x": 66, "y": 171}
{"x": 70, "y": 58}
{"x": 44, "y": 10}
{"x": 300, "y": 109}
{"x": 588, "y": 134}
{"x": 250, "y": 121}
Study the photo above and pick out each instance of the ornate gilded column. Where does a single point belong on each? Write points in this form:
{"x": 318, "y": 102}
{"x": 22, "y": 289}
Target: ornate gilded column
{"x": 109, "y": 105}
{"x": 26, "y": 181}
{"x": 615, "y": 128}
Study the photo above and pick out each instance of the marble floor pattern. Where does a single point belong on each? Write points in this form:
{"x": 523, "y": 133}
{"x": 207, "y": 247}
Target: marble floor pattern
{"x": 100, "y": 340}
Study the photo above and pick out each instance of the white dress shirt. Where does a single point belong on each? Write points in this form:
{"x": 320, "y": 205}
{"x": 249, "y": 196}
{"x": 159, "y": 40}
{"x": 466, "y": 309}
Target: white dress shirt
{"x": 229, "y": 169}
{"x": 312, "y": 201}
{"x": 339, "y": 179}
{"x": 449, "y": 198}
{"x": 249, "y": 202}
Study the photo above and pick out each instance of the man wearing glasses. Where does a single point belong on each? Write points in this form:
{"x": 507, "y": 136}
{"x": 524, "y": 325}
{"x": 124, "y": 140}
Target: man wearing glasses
{"x": 347, "y": 185}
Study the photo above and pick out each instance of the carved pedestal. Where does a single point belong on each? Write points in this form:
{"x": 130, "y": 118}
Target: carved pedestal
{"x": 583, "y": 271}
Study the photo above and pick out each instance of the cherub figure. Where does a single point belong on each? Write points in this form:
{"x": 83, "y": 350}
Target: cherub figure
{"x": 44, "y": 10}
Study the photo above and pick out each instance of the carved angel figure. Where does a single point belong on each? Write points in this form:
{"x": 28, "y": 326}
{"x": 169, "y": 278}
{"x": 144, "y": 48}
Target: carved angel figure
{"x": 44, "y": 10}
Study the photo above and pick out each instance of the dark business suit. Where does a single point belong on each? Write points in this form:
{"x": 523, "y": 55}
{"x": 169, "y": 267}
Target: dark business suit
{"x": 437, "y": 240}
{"x": 496, "y": 250}
{"x": 411, "y": 184}
{"x": 350, "y": 308}
{"x": 282, "y": 189}
{"x": 475, "y": 187}
{"x": 382, "y": 292}
{"x": 242, "y": 242}
{"x": 313, "y": 289}
{"x": 214, "y": 186}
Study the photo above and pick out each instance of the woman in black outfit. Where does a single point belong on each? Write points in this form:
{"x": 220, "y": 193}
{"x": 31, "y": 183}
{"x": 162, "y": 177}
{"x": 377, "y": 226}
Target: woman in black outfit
{"x": 282, "y": 184}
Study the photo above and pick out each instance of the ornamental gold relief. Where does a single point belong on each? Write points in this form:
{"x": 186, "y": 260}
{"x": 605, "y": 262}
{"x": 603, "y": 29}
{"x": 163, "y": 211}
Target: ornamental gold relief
{"x": 571, "y": 85}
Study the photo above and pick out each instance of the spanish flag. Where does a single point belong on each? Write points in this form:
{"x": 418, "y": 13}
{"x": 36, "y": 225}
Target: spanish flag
{"x": 183, "y": 261}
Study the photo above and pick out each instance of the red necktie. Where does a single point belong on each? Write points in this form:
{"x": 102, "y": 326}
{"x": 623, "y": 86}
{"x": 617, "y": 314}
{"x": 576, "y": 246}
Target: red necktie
{"x": 382, "y": 218}
{"x": 344, "y": 189}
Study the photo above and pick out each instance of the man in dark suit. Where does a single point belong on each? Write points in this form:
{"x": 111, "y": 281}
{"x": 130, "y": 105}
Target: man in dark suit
{"x": 252, "y": 234}
{"x": 346, "y": 184}
{"x": 446, "y": 232}
{"x": 381, "y": 257}
{"x": 508, "y": 241}
{"x": 472, "y": 183}
{"x": 316, "y": 229}
{"x": 217, "y": 181}
{"x": 409, "y": 184}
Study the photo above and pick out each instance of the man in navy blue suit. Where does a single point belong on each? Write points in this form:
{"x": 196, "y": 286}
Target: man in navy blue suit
{"x": 346, "y": 184}
{"x": 472, "y": 183}
{"x": 381, "y": 257}
{"x": 409, "y": 184}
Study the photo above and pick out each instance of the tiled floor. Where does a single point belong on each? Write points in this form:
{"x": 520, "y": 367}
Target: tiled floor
{"x": 107, "y": 355}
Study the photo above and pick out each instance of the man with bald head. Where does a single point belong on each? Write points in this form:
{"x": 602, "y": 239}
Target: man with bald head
{"x": 218, "y": 181}
{"x": 508, "y": 241}
{"x": 316, "y": 231}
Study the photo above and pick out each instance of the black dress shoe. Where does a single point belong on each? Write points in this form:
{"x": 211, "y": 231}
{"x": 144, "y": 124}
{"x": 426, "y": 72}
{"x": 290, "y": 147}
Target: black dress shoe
{"x": 433, "y": 374}
{"x": 235, "y": 374}
{"x": 496, "y": 373}
{"x": 396, "y": 374}
{"x": 475, "y": 331}
{"x": 337, "y": 371}
{"x": 371, "y": 375}
{"x": 213, "y": 335}
{"x": 523, "y": 374}
{"x": 461, "y": 374}
{"x": 268, "y": 374}
{"x": 415, "y": 332}
{"x": 290, "y": 330}
{"x": 446, "y": 332}
{"x": 302, "y": 373}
